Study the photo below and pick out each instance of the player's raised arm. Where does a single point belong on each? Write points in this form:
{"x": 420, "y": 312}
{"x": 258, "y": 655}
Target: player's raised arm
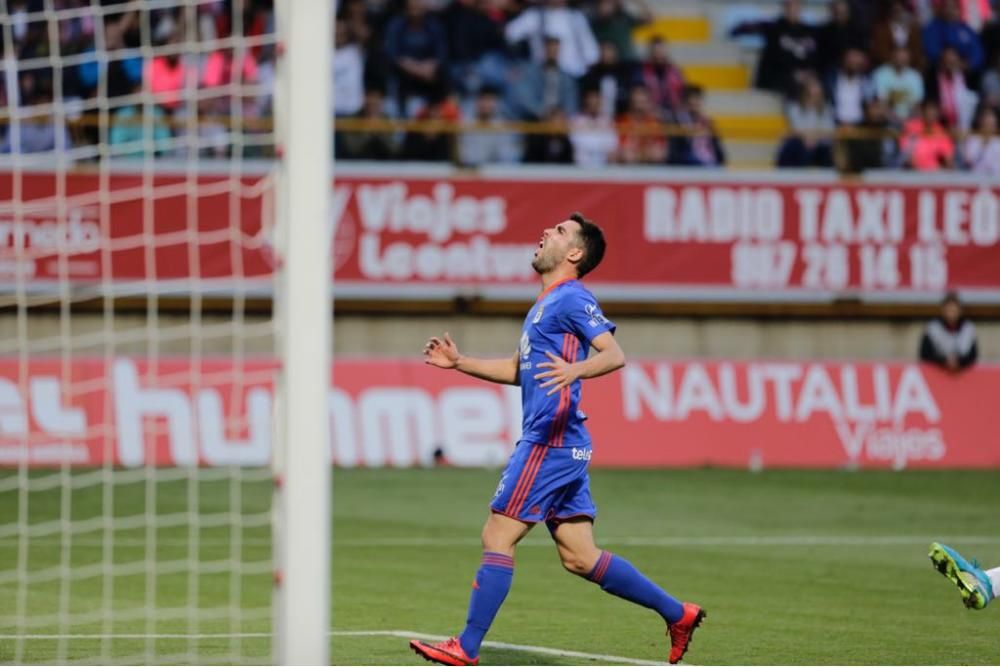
{"x": 443, "y": 353}
{"x": 561, "y": 373}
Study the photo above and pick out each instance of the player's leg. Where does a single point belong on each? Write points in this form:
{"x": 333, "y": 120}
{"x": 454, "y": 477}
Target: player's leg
{"x": 500, "y": 536}
{"x": 977, "y": 586}
{"x": 493, "y": 579}
{"x": 572, "y": 528}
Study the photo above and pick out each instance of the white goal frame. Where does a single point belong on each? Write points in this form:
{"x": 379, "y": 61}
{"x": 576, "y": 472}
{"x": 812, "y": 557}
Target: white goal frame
{"x": 302, "y": 466}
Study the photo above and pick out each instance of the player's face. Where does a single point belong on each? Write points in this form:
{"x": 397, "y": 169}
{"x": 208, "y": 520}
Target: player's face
{"x": 557, "y": 245}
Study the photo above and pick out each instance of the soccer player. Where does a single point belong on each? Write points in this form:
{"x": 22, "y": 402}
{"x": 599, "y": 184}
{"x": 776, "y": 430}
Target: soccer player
{"x": 546, "y": 478}
{"x": 976, "y": 585}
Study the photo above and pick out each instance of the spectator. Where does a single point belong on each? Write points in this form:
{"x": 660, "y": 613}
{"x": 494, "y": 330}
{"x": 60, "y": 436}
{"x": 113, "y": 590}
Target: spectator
{"x": 975, "y": 13}
{"x": 838, "y": 35}
{"x": 476, "y": 148}
{"x": 120, "y": 32}
{"x": 949, "y": 340}
{"x": 368, "y": 144}
{"x": 417, "y": 49}
{"x": 947, "y": 86}
{"x": 849, "y": 87}
{"x": 700, "y": 145}
{"x": 554, "y": 148}
{"x": 662, "y": 78}
{"x": 925, "y": 145}
{"x": 989, "y": 86}
{"x": 612, "y": 78}
{"x": 553, "y": 18}
{"x": 536, "y": 90}
{"x": 947, "y": 29}
{"x": 791, "y": 49}
{"x": 898, "y": 28}
{"x": 592, "y": 133}
{"x": 640, "y": 135}
{"x": 989, "y": 39}
{"x": 166, "y": 77}
{"x": 37, "y": 132}
{"x": 348, "y": 72}
{"x": 898, "y": 85}
{"x": 981, "y": 151}
{"x": 811, "y": 121}
{"x": 613, "y": 23}
{"x": 874, "y": 147}
{"x": 433, "y": 144}
{"x": 127, "y": 132}
{"x": 478, "y": 48}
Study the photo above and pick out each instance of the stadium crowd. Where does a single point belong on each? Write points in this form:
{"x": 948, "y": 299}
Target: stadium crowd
{"x": 885, "y": 83}
{"x": 909, "y": 84}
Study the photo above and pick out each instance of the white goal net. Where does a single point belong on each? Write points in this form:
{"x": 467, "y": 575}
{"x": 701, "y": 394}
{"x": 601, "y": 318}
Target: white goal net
{"x": 141, "y": 354}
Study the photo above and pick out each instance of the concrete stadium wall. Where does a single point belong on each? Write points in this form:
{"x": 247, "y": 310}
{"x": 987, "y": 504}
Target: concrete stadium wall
{"x": 372, "y": 336}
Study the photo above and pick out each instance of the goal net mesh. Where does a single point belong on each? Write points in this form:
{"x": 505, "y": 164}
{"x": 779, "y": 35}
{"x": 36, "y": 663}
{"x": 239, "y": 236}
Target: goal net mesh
{"x": 137, "y": 365}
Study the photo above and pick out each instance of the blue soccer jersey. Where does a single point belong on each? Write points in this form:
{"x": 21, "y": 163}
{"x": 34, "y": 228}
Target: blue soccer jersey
{"x": 563, "y": 321}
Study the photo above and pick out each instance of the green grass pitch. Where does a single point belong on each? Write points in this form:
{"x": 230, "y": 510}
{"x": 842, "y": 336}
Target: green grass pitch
{"x": 794, "y": 568}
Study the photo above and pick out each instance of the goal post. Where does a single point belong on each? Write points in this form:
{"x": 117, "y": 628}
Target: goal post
{"x": 302, "y": 462}
{"x": 165, "y": 331}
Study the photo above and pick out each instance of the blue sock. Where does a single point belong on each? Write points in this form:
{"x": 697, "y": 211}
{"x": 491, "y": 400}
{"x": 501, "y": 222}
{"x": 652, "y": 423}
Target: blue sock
{"x": 619, "y": 577}
{"x": 496, "y": 571}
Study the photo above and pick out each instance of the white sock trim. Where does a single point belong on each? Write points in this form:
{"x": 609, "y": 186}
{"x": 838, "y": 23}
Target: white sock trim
{"x": 994, "y": 576}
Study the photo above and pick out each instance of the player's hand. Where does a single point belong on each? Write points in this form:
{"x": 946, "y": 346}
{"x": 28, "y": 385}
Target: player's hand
{"x": 442, "y": 353}
{"x": 563, "y": 374}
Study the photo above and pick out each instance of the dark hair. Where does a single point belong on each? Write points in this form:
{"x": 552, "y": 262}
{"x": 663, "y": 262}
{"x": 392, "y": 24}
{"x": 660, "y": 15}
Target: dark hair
{"x": 593, "y": 243}
{"x": 951, "y": 297}
{"x": 692, "y": 90}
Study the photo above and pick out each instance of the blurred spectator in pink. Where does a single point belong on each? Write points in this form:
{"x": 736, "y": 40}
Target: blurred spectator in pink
{"x": 850, "y": 86}
{"x": 555, "y": 18}
{"x": 791, "y": 49}
{"x": 592, "y": 133}
{"x": 948, "y": 87}
{"x": 810, "y": 120}
{"x": 612, "y": 78}
{"x": 981, "y": 150}
{"x": 641, "y": 139}
{"x": 898, "y": 28}
{"x": 925, "y": 145}
{"x": 948, "y": 29}
{"x": 417, "y": 48}
{"x": 166, "y": 76}
{"x": 699, "y": 146}
{"x": 662, "y": 78}
{"x": 612, "y": 22}
{"x": 900, "y": 86}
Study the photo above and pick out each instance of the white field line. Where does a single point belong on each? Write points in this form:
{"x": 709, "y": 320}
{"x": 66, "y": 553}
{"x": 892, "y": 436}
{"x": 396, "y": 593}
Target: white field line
{"x": 636, "y": 541}
{"x": 405, "y": 634}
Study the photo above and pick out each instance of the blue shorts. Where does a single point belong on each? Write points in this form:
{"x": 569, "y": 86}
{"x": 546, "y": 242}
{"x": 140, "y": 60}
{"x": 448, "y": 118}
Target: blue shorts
{"x": 542, "y": 483}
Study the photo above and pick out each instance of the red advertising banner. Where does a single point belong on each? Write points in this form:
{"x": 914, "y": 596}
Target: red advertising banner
{"x": 397, "y": 412}
{"x": 714, "y": 237}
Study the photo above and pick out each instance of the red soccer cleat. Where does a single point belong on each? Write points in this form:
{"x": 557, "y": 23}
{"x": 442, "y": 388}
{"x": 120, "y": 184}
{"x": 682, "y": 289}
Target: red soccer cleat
{"x": 682, "y": 631}
{"x": 448, "y": 652}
